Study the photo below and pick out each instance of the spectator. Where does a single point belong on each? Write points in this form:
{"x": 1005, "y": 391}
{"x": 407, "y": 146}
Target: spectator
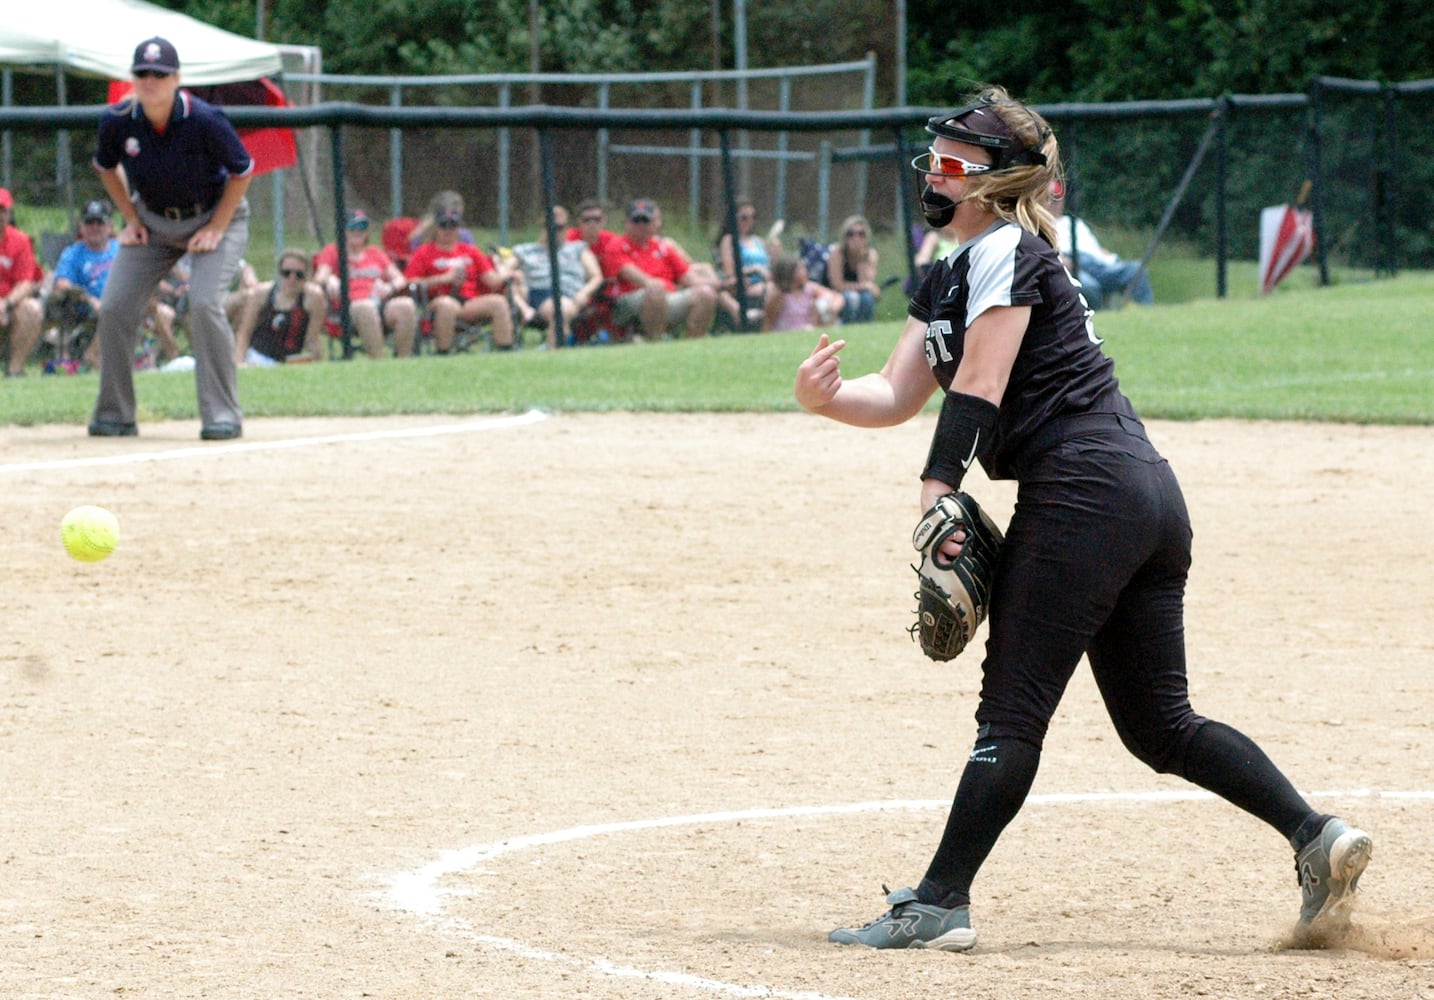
{"x": 755, "y": 254}
{"x": 592, "y": 217}
{"x": 461, "y": 282}
{"x": 21, "y": 314}
{"x": 1099, "y": 271}
{"x": 851, "y": 270}
{"x": 441, "y": 203}
{"x": 936, "y": 244}
{"x": 283, "y": 319}
{"x": 794, "y": 301}
{"x": 378, "y": 296}
{"x": 579, "y": 276}
{"x": 655, "y": 284}
{"x": 177, "y": 170}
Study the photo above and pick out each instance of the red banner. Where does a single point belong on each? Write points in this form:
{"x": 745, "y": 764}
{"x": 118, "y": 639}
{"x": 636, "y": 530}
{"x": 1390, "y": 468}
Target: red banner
{"x": 272, "y": 148}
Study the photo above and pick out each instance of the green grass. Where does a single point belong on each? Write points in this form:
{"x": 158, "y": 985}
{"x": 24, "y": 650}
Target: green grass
{"x": 1355, "y": 352}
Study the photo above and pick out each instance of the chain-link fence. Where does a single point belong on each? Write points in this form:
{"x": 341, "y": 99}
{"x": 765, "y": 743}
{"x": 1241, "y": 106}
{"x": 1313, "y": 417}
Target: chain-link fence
{"x": 1192, "y": 173}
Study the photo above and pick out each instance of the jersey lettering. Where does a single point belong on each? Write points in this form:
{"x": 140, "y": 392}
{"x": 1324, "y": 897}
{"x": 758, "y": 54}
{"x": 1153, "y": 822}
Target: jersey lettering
{"x": 1089, "y": 312}
{"x": 936, "y": 350}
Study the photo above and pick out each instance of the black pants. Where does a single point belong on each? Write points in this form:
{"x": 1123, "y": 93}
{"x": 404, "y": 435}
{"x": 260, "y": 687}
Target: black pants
{"x": 1095, "y": 561}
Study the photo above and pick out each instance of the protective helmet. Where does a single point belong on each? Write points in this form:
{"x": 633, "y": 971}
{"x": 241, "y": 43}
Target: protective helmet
{"x": 979, "y": 125}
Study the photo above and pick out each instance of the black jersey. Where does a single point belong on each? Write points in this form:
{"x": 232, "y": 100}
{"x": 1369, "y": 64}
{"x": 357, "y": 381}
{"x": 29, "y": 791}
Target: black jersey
{"x": 1060, "y": 370}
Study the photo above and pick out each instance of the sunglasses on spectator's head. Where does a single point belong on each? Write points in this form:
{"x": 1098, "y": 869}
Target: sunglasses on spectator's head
{"x": 292, "y": 272}
{"x": 150, "y": 74}
{"x": 947, "y": 165}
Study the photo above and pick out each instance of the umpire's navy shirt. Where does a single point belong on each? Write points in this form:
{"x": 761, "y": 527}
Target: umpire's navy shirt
{"x": 185, "y": 166}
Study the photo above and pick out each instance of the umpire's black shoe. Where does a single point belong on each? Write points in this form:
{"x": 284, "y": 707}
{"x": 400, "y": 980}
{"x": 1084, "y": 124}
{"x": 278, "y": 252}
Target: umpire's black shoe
{"x": 113, "y": 429}
{"x": 221, "y": 432}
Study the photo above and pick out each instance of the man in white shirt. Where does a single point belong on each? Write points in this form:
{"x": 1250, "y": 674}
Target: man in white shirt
{"x": 1100, "y": 271}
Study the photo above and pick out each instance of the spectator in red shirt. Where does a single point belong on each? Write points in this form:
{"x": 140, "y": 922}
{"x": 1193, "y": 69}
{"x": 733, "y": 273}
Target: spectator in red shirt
{"x": 20, "y": 311}
{"x": 377, "y": 290}
{"x": 656, "y": 286}
{"x": 591, "y": 219}
{"x": 461, "y": 281}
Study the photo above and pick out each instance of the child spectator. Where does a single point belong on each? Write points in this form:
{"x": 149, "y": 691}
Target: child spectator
{"x": 794, "y": 301}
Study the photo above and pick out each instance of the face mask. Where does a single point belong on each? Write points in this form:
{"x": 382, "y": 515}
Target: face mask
{"x": 938, "y": 209}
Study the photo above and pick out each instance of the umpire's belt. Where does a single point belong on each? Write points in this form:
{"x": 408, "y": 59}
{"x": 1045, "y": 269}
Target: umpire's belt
{"x": 1077, "y": 425}
{"x": 181, "y": 212}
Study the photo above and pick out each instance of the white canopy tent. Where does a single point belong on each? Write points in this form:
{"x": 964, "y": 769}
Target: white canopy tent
{"x": 97, "y": 38}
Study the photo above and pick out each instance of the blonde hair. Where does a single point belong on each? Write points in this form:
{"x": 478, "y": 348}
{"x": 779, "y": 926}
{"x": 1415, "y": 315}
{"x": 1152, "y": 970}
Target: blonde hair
{"x": 848, "y": 224}
{"x": 1019, "y": 194}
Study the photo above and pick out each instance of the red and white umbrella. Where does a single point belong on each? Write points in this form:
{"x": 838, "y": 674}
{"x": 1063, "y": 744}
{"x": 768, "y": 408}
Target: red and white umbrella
{"x": 1286, "y": 240}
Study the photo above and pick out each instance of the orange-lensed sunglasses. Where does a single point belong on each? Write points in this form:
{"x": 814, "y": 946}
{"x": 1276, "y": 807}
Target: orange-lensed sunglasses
{"x": 947, "y": 165}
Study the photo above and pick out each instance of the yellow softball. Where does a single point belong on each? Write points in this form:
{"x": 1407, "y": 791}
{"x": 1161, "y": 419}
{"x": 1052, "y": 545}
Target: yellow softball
{"x": 90, "y": 533}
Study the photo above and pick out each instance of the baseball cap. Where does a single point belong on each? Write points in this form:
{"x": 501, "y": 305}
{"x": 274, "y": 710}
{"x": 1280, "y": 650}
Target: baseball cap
{"x": 357, "y": 219}
{"x": 95, "y": 210}
{"x": 643, "y": 209}
{"x": 155, "y": 54}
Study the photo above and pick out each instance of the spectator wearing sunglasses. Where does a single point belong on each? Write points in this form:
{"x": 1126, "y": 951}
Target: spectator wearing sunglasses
{"x": 461, "y": 282}
{"x": 851, "y": 270}
{"x": 283, "y": 319}
{"x": 753, "y": 254}
{"x": 178, "y": 173}
{"x": 591, "y": 227}
{"x": 658, "y": 289}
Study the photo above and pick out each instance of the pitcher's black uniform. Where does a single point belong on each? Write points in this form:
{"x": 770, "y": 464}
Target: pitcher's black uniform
{"x": 1097, "y": 551}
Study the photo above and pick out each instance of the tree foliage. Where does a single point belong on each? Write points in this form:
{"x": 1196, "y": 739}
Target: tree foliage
{"x": 1120, "y": 50}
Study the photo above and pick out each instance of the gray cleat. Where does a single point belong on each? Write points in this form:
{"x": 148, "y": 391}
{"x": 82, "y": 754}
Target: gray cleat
{"x": 910, "y": 924}
{"x": 1329, "y": 868}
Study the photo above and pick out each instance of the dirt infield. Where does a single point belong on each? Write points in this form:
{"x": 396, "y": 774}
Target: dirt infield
{"x": 623, "y": 706}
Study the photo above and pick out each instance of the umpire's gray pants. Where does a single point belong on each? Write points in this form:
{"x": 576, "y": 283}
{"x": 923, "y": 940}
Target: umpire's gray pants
{"x": 134, "y": 276}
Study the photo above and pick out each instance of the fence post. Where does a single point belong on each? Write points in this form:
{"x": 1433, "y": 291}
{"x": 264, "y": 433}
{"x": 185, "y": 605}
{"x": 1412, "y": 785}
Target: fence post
{"x": 868, "y": 100}
{"x": 62, "y": 151}
{"x": 505, "y": 100}
{"x": 824, "y": 188}
{"x": 1384, "y": 160}
{"x": 694, "y": 163}
{"x": 1317, "y": 197}
{"x": 395, "y": 157}
{"x": 784, "y": 103}
{"x": 904, "y": 207}
{"x": 555, "y": 238}
{"x": 604, "y": 95}
{"x": 1222, "y": 118}
{"x": 346, "y": 328}
{"x": 729, "y": 191}
{"x": 7, "y": 142}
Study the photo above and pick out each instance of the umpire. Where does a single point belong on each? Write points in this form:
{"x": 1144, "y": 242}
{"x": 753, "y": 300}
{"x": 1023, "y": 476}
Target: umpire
{"x": 178, "y": 172}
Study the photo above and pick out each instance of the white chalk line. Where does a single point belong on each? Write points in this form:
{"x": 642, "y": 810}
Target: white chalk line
{"x": 212, "y": 450}
{"x": 417, "y": 893}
